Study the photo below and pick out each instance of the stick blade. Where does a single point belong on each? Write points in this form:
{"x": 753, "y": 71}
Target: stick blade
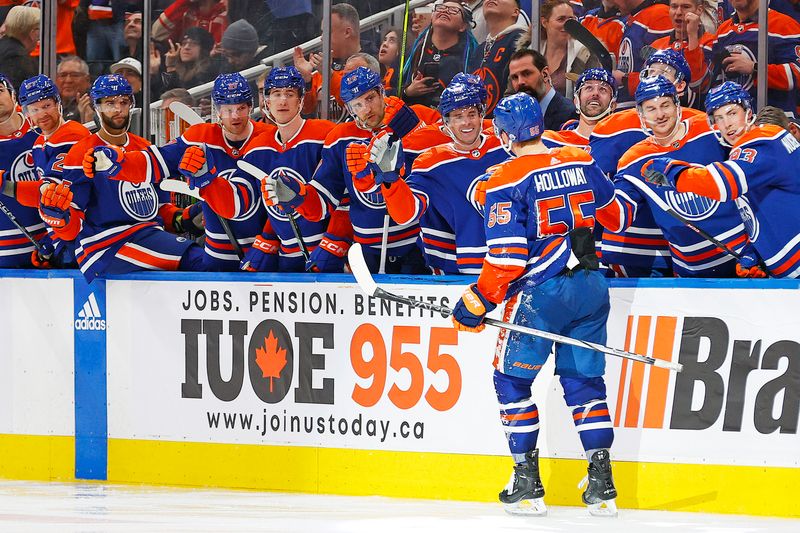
{"x": 185, "y": 113}
{"x": 358, "y": 266}
{"x": 251, "y": 169}
{"x": 180, "y": 187}
{"x": 579, "y": 32}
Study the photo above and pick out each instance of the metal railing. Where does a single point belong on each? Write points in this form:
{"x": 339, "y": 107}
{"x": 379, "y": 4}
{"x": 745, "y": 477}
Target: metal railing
{"x": 390, "y": 17}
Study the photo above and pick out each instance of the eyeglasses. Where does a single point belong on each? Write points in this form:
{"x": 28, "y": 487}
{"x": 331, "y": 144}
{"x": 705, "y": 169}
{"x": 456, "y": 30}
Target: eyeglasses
{"x": 450, "y": 10}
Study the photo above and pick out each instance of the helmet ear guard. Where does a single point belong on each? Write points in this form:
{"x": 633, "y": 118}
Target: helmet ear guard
{"x": 520, "y": 117}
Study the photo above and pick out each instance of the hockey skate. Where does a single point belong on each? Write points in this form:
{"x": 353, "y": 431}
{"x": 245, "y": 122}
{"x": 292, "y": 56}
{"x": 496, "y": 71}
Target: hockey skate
{"x": 524, "y": 494}
{"x": 600, "y": 494}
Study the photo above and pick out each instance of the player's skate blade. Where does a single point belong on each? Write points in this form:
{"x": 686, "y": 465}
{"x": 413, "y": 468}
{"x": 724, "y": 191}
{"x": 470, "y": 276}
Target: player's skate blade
{"x": 533, "y": 507}
{"x": 604, "y": 508}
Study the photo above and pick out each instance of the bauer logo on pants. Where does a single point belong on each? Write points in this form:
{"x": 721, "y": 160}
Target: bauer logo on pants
{"x": 90, "y": 317}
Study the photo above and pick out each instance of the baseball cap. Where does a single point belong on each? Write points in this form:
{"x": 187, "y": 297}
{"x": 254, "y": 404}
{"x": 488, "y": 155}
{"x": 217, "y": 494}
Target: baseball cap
{"x": 129, "y": 63}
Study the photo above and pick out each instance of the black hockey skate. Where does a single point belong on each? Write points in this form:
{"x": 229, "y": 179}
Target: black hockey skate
{"x": 600, "y": 492}
{"x": 524, "y": 494}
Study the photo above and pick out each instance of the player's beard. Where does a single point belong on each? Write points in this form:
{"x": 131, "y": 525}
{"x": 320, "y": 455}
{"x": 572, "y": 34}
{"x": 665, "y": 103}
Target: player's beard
{"x": 111, "y": 124}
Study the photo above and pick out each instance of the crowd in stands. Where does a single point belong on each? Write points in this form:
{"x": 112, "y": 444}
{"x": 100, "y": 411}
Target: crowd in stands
{"x": 697, "y": 45}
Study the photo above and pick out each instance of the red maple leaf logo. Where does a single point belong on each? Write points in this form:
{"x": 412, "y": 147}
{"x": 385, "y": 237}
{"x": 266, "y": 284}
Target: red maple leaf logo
{"x": 271, "y": 359}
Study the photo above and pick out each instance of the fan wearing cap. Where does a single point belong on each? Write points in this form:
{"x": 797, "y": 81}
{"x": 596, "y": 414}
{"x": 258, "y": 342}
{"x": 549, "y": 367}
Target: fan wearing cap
{"x": 17, "y": 138}
{"x": 117, "y": 226}
{"x": 131, "y": 69}
{"x": 292, "y": 148}
{"x": 375, "y": 117}
{"x": 443, "y": 190}
{"x": 759, "y": 176}
{"x": 206, "y": 155}
{"x": 689, "y": 140}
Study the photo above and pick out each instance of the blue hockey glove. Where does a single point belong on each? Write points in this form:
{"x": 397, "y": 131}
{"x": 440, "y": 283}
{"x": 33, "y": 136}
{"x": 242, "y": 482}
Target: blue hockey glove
{"x": 398, "y": 117}
{"x": 471, "y": 309}
{"x": 262, "y": 255}
{"x": 329, "y": 255}
{"x": 664, "y": 171}
{"x": 41, "y": 257}
{"x": 103, "y": 161}
{"x": 190, "y": 220}
{"x": 750, "y": 265}
{"x": 197, "y": 165}
{"x": 387, "y": 158}
{"x": 284, "y": 191}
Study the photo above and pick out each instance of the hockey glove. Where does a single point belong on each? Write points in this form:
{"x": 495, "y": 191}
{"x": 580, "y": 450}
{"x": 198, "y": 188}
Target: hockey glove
{"x": 329, "y": 255}
{"x": 103, "y": 161}
{"x": 190, "y": 220}
{"x": 664, "y": 171}
{"x": 284, "y": 192}
{"x": 398, "y": 117}
{"x": 262, "y": 255}
{"x": 470, "y": 310}
{"x": 750, "y": 265}
{"x": 357, "y": 158}
{"x": 197, "y": 166}
{"x": 388, "y": 157}
{"x": 54, "y": 204}
{"x": 40, "y": 258}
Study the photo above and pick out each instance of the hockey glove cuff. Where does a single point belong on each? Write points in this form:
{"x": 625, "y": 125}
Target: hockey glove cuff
{"x": 103, "y": 161}
{"x": 471, "y": 309}
{"x": 190, "y": 220}
{"x": 664, "y": 171}
{"x": 284, "y": 192}
{"x": 329, "y": 255}
{"x": 54, "y": 205}
{"x": 750, "y": 265}
{"x": 262, "y": 255}
{"x": 197, "y": 165}
{"x": 399, "y": 117}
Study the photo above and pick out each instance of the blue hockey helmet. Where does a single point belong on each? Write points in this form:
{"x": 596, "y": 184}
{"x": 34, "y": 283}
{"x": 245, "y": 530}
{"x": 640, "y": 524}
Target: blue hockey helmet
{"x": 473, "y": 80}
{"x": 39, "y": 87}
{"x": 110, "y": 85}
{"x": 231, "y": 88}
{"x": 727, "y": 93}
{"x": 520, "y": 117}
{"x": 654, "y": 87}
{"x": 598, "y": 74}
{"x": 671, "y": 58}
{"x": 359, "y": 81}
{"x": 458, "y": 95}
{"x": 285, "y": 77}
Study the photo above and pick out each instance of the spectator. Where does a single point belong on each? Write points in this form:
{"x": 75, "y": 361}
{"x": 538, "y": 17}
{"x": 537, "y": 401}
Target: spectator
{"x": 239, "y": 47}
{"x": 504, "y": 30}
{"x": 20, "y": 39}
{"x": 420, "y": 20}
{"x": 735, "y": 49}
{"x": 389, "y": 58}
{"x": 132, "y": 33}
{"x": 480, "y": 27}
{"x": 188, "y": 64}
{"x": 361, "y": 59}
{"x": 607, "y": 24}
{"x": 445, "y": 48}
{"x": 178, "y": 94}
{"x": 528, "y": 72}
{"x": 73, "y": 80}
{"x": 211, "y": 15}
{"x": 130, "y": 69}
{"x": 558, "y": 47}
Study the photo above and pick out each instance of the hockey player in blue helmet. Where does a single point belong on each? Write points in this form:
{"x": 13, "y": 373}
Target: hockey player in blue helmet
{"x": 595, "y": 98}
{"x": 363, "y": 95}
{"x": 41, "y": 103}
{"x": 658, "y": 107}
{"x": 672, "y": 65}
{"x": 284, "y": 89}
{"x": 233, "y": 103}
{"x": 462, "y": 108}
{"x": 729, "y": 109}
{"x": 540, "y": 261}
{"x": 112, "y": 97}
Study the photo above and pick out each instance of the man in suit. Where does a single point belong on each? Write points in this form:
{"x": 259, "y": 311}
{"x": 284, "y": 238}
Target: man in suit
{"x": 528, "y": 72}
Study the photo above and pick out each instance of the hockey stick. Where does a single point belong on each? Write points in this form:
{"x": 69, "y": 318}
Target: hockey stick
{"x": 384, "y": 244}
{"x": 579, "y": 32}
{"x": 39, "y": 248}
{"x": 359, "y": 268}
{"x": 181, "y": 187}
{"x": 186, "y": 113}
{"x": 403, "y": 50}
{"x": 260, "y": 175}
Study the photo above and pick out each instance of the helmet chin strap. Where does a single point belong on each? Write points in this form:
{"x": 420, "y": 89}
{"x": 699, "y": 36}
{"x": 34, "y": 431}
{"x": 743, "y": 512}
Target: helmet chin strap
{"x": 651, "y": 133}
{"x": 744, "y": 129}
{"x": 103, "y": 125}
{"x": 265, "y": 110}
{"x": 10, "y": 116}
{"x": 599, "y": 117}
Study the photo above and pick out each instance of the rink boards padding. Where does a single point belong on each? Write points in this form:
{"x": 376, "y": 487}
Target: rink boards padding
{"x": 301, "y": 383}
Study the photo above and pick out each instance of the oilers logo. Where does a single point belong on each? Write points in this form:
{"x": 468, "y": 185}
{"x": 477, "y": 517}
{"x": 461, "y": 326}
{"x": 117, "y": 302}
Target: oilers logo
{"x": 625, "y": 63}
{"x": 745, "y": 80}
{"x": 472, "y": 195}
{"x": 690, "y": 205}
{"x": 751, "y": 225}
{"x": 138, "y": 200}
{"x": 23, "y": 169}
{"x": 284, "y": 173}
{"x": 242, "y": 184}
{"x": 373, "y": 199}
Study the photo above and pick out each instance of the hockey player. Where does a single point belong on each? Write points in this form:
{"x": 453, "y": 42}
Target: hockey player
{"x": 41, "y": 103}
{"x": 759, "y": 175}
{"x": 641, "y": 250}
{"x": 376, "y": 115}
{"x": 595, "y": 98}
{"x": 440, "y": 192}
{"x": 118, "y": 225}
{"x": 540, "y": 212}
{"x": 16, "y": 166}
{"x": 292, "y": 149}
{"x": 206, "y": 156}
{"x": 688, "y": 140}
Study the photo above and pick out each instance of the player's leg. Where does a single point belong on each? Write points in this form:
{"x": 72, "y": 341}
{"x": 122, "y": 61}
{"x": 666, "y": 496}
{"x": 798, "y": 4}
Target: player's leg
{"x": 155, "y": 249}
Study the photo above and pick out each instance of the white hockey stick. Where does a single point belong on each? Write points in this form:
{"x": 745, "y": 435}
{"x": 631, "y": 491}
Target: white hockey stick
{"x": 384, "y": 243}
{"x": 185, "y": 113}
{"x": 181, "y": 187}
{"x": 260, "y": 175}
{"x": 364, "y": 279}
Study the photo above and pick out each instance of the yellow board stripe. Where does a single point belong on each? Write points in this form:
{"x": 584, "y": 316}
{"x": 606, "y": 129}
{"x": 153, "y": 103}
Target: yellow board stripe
{"x": 674, "y": 487}
{"x": 37, "y": 457}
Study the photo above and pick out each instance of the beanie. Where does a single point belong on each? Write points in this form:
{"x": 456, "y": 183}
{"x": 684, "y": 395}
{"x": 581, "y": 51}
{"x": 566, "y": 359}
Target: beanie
{"x": 240, "y": 36}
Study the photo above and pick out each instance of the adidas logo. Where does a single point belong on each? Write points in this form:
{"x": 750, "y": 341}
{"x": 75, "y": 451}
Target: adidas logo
{"x": 89, "y": 317}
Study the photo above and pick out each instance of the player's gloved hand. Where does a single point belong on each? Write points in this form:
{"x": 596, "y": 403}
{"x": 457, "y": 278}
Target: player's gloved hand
{"x": 664, "y": 171}
{"x": 284, "y": 192}
{"x": 750, "y": 265}
{"x": 190, "y": 220}
{"x": 357, "y": 158}
{"x": 329, "y": 255}
{"x": 262, "y": 255}
{"x": 470, "y": 310}
{"x": 398, "y": 117}
{"x": 40, "y": 258}
{"x": 103, "y": 161}
{"x": 387, "y": 155}
{"x": 54, "y": 204}
{"x": 197, "y": 165}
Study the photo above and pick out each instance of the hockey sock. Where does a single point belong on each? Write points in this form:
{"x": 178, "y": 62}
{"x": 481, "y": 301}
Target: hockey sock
{"x": 518, "y": 413}
{"x": 586, "y": 398}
